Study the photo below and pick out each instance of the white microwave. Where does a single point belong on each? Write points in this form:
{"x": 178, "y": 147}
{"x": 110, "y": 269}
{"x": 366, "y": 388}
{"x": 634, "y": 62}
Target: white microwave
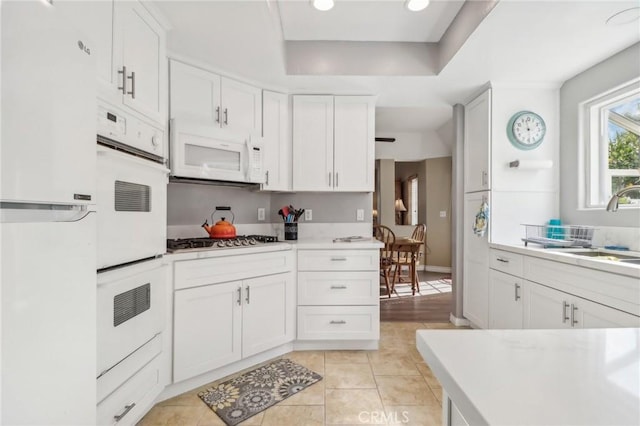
{"x": 205, "y": 152}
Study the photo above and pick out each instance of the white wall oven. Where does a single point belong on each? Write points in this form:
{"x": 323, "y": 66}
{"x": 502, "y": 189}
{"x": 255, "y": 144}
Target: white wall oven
{"x": 132, "y": 215}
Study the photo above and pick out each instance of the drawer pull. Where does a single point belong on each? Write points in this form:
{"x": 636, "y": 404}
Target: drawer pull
{"x": 338, "y": 259}
{"x": 517, "y": 292}
{"x": 574, "y": 321}
{"x": 127, "y": 408}
{"x": 338, "y": 322}
{"x": 500, "y": 259}
{"x": 338, "y": 287}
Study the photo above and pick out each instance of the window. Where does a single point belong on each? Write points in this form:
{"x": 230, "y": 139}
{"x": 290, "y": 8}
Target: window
{"x": 612, "y": 129}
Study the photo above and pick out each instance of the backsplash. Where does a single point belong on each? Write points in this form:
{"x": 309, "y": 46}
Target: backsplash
{"x": 190, "y": 204}
{"x": 617, "y": 236}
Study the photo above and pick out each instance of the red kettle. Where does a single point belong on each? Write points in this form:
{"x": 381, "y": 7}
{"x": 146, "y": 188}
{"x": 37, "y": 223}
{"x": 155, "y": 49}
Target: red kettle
{"x": 221, "y": 229}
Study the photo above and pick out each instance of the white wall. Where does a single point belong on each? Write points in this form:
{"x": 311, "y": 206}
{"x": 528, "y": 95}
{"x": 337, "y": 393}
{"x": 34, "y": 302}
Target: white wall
{"x": 612, "y": 72}
{"x": 411, "y": 146}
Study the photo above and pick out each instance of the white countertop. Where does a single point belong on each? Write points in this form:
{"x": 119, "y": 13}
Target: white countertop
{"x": 329, "y": 244}
{"x": 538, "y": 377}
{"x": 565, "y": 256}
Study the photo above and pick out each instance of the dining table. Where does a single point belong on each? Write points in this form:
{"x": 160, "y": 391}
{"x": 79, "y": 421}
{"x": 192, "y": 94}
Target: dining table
{"x": 411, "y": 248}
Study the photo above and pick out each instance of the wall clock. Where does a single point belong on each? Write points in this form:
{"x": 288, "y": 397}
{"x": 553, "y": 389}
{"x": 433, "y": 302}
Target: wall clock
{"x": 526, "y": 130}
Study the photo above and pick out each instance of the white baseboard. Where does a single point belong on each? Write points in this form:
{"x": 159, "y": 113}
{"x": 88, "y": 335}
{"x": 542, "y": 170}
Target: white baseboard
{"x": 433, "y": 268}
{"x": 458, "y": 322}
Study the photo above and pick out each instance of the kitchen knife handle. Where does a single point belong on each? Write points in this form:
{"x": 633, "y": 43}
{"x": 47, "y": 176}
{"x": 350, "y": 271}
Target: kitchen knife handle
{"x": 133, "y": 85}
{"x": 124, "y": 80}
{"x": 248, "y": 299}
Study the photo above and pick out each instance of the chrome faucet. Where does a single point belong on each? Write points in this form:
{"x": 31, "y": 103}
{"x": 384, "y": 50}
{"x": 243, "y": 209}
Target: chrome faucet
{"x": 613, "y": 202}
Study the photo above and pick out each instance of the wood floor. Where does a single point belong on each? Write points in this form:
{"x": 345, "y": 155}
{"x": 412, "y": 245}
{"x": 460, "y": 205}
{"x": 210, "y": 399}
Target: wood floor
{"x": 435, "y": 308}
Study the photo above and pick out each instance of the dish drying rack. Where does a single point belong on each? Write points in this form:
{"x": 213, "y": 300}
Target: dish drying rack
{"x": 559, "y": 235}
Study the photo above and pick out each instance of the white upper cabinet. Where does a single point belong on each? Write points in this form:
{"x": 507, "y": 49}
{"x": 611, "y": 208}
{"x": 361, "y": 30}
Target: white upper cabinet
{"x": 139, "y": 55}
{"x": 277, "y": 141}
{"x": 129, "y": 45}
{"x": 477, "y": 142}
{"x": 333, "y": 143}
{"x": 354, "y": 147}
{"x": 206, "y": 97}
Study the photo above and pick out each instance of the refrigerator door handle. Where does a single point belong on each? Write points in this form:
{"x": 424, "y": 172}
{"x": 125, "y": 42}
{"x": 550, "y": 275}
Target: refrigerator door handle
{"x": 11, "y": 212}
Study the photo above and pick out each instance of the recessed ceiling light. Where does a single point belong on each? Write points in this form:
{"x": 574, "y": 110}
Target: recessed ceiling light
{"x": 322, "y": 5}
{"x": 416, "y": 5}
{"x": 626, "y": 16}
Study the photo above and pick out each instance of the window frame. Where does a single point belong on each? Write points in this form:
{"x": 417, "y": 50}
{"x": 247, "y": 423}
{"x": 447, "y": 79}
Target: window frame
{"x": 593, "y": 116}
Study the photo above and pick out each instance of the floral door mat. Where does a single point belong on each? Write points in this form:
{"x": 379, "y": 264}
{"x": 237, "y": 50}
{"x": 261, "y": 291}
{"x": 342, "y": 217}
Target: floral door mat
{"x": 244, "y": 396}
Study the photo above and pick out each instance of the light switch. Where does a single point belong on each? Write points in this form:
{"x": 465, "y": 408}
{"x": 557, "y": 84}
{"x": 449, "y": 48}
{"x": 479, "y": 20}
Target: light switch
{"x": 261, "y": 213}
{"x": 443, "y": 213}
{"x": 308, "y": 214}
{"x": 360, "y": 214}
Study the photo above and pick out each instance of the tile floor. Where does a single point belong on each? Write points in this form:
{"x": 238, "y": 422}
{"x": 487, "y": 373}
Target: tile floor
{"x": 390, "y": 386}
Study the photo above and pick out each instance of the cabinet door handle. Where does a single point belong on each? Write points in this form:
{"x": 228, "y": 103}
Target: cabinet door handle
{"x": 124, "y": 80}
{"x": 574, "y": 321}
{"x": 266, "y": 177}
{"x": 226, "y": 116}
{"x": 336, "y": 179}
{"x": 217, "y": 114}
{"x": 248, "y": 299}
{"x": 127, "y": 408}
{"x": 338, "y": 259}
{"x": 239, "y": 296}
{"x": 565, "y": 305}
{"x": 500, "y": 259}
{"x": 133, "y": 85}
{"x": 330, "y": 178}
{"x": 485, "y": 175}
{"x": 338, "y": 287}
{"x": 517, "y": 293}
{"x": 338, "y": 322}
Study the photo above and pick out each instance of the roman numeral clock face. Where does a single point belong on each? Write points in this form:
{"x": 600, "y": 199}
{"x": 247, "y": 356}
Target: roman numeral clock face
{"x": 526, "y": 130}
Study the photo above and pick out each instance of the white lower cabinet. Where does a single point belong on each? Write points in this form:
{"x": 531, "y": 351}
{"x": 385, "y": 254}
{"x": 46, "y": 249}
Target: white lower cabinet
{"x": 529, "y": 292}
{"x": 229, "y": 308}
{"x": 217, "y": 324}
{"x": 505, "y": 300}
{"x": 338, "y": 294}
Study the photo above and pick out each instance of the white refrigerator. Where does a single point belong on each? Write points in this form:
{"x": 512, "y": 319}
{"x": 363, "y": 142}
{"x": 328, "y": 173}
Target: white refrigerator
{"x": 47, "y": 219}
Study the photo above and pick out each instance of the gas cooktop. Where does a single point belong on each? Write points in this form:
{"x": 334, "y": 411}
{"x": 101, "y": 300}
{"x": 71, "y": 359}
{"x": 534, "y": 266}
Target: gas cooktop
{"x": 214, "y": 243}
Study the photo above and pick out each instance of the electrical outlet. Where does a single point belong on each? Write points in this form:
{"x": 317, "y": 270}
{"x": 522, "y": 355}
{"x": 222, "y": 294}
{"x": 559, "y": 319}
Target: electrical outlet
{"x": 308, "y": 215}
{"x": 360, "y": 214}
{"x": 443, "y": 213}
{"x": 261, "y": 213}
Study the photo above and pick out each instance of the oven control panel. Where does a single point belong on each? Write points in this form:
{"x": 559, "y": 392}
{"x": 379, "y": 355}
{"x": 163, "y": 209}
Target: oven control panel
{"x": 124, "y": 128}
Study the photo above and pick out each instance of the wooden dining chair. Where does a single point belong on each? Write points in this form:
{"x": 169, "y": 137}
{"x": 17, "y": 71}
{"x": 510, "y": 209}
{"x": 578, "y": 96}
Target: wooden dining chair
{"x": 388, "y": 238}
{"x": 403, "y": 259}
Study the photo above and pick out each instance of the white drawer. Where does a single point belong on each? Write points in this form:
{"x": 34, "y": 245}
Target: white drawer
{"x": 129, "y": 402}
{"x": 121, "y": 372}
{"x": 338, "y": 288}
{"x": 194, "y": 273}
{"x": 338, "y": 260}
{"x": 510, "y": 263}
{"x": 338, "y": 322}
